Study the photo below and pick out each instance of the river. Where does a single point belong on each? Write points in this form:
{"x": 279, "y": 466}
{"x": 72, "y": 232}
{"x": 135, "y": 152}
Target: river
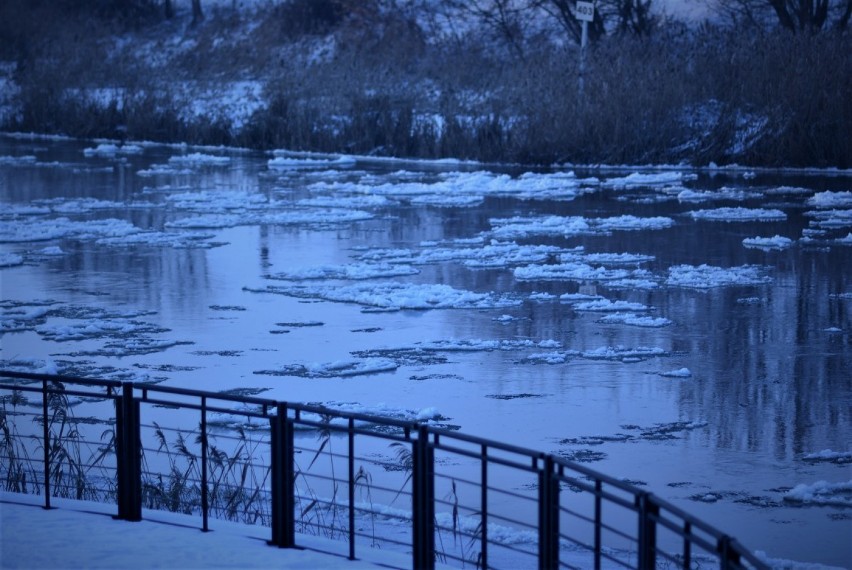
{"x": 612, "y": 316}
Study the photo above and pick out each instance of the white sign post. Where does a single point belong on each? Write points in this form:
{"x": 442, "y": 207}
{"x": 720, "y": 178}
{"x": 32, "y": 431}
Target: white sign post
{"x": 585, "y": 12}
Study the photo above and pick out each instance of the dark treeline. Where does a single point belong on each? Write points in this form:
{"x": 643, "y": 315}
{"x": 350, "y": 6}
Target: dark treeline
{"x": 490, "y": 80}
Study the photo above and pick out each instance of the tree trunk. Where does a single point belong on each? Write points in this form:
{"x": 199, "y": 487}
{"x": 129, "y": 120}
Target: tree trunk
{"x": 197, "y": 14}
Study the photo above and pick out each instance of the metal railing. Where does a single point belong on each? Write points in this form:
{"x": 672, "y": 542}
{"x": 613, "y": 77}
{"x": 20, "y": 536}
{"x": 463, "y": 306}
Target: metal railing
{"x": 442, "y": 496}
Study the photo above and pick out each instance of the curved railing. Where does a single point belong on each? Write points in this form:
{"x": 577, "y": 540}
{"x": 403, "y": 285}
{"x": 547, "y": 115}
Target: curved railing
{"x": 445, "y": 497}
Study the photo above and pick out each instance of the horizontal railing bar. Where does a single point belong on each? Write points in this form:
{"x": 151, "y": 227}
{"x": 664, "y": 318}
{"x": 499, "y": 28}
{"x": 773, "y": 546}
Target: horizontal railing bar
{"x": 512, "y": 494}
{"x": 378, "y": 539}
{"x": 491, "y": 458}
{"x": 58, "y": 378}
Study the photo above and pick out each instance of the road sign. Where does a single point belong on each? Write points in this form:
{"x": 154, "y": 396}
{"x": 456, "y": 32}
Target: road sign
{"x": 585, "y": 11}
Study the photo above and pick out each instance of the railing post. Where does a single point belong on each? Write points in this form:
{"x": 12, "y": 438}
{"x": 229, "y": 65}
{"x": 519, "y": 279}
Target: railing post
{"x": 483, "y": 499}
{"x": 46, "y": 444}
{"x": 205, "y": 501}
{"x": 648, "y": 511}
{"x": 351, "y": 468}
{"x": 423, "y": 501}
{"x": 729, "y": 558}
{"x": 283, "y": 480}
{"x": 548, "y": 516}
{"x": 128, "y": 455}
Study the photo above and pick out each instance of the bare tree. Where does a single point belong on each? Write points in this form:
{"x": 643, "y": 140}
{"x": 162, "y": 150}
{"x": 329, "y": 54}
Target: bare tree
{"x": 794, "y": 15}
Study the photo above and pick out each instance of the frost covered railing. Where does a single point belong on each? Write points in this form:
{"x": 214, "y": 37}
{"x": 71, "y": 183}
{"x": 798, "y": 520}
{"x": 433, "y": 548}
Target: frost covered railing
{"x": 444, "y": 497}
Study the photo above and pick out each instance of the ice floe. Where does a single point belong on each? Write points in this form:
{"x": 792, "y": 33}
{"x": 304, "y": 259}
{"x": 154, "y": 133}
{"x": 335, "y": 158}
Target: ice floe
{"x": 396, "y": 296}
{"x": 282, "y": 162}
{"x": 606, "y": 305}
{"x": 635, "y": 320}
{"x": 821, "y": 493}
{"x": 200, "y": 159}
{"x": 44, "y": 229}
{"x": 708, "y": 276}
{"x": 491, "y": 255}
{"x": 739, "y": 214}
{"x": 831, "y": 219}
{"x": 352, "y": 271}
{"x": 111, "y": 150}
{"x": 339, "y": 369}
{"x": 726, "y": 194}
{"x": 638, "y": 179}
{"x": 678, "y": 373}
{"x": 623, "y": 354}
{"x": 299, "y": 217}
{"x": 520, "y": 227}
{"x": 830, "y": 199}
{"x": 10, "y": 260}
{"x": 829, "y": 456}
{"x": 775, "y": 242}
{"x": 568, "y": 272}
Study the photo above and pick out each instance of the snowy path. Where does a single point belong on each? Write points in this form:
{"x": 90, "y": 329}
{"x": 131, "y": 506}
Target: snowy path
{"x": 81, "y": 534}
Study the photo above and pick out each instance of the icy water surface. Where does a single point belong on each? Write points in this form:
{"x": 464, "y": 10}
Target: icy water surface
{"x": 688, "y": 332}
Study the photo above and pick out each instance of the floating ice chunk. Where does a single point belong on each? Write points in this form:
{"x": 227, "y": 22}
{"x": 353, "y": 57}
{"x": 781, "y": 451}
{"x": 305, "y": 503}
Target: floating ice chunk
{"x": 216, "y": 201}
{"x": 578, "y": 297}
{"x": 351, "y": 271}
{"x": 637, "y": 179}
{"x": 285, "y": 162}
{"x": 338, "y": 369}
{"x": 18, "y": 160}
{"x": 541, "y": 296}
{"x": 11, "y": 211}
{"x": 679, "y": 373}
{"x": 521, "y": 227}
{"x": 621, "y": 353}
{"x": 505, "y": 319}
{"x": 829, "y": 455}
{"x": 299, "y": 217}
{"x": 845, "y": 240}
{"x": 632, "y": 223}
{"x": 831, "y": 219}
{"x": 395, "y": 296}
{"x": 200, "y": 159}
{"x": 830, "y": 199}
{"x": 43, "y": 229}
{"x": 788, "y": 190}
{"x": 10, "y": 260}
{"x": 568, "y": 272}
{"x": 618, "y": 258}
{"x": 51, "y": 250}
{"x": 821, "y": 493}
{"x": 348, "y": 202}
{"x": 776, "y": 242}
{"x": 632, "y": 283}
{"x": 635, "y": 320}
{"x": 730, "y": 194}
{"x": 605, "y": 305}
{"x": 443, "y": 201}
{"x": 110, "y": 150}
{"x": 739, "y": 215}
{"x": 708, "y": 276}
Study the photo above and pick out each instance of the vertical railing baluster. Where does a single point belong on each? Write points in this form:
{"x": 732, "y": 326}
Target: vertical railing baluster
{"x": 283, "y": 480}
{"x": 548, "y": 515}
{"x": 46, "y": 445}
{"x": 484, "y": 504}
{"x": 687, "y": 544}
{"x": 423, "y": 501}
{"x": 204, "y": 497}
{"x": 598, "y": 522}
{"x": 351, "y": 489}
{"x": 648, "y": 510}
{"x": 128, "y": 455}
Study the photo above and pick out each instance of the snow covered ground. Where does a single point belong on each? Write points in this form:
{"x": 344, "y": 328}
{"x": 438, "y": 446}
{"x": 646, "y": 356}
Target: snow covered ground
{"x": 81, "y": 534}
